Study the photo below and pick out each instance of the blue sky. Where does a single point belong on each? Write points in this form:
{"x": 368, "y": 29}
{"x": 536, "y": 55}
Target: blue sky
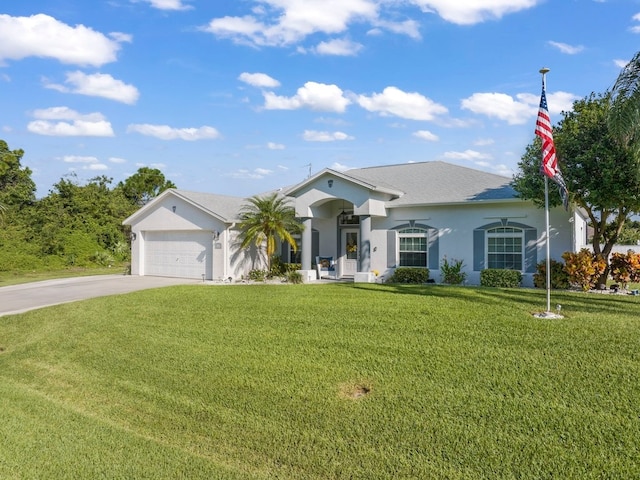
{"x": 241, "y": 97}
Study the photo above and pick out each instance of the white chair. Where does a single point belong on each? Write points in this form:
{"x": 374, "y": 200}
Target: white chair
{"x": 326, "y": 268}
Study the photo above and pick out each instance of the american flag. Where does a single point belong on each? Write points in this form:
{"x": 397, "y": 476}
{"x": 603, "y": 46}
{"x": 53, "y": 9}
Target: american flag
{"x": 543, "y": 130}
{"x": 549, "y": 161}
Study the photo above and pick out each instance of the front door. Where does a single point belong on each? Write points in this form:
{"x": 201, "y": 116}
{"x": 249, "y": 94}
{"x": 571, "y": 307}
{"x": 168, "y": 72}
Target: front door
{"x": 350, "y": 253}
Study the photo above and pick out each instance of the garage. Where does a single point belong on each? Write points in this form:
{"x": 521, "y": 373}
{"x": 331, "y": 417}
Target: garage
{"x": 184, "y": 254}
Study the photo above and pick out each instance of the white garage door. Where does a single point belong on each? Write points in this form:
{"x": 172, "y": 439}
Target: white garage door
{"x": 178, "y": 254}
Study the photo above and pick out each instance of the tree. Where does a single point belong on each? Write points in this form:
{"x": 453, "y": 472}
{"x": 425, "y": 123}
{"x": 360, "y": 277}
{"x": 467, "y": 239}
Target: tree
{"x": 601, "y": 174}
{"x": 265, "y": 219}
{"x": 624, "y": 115}
{"x": 17, "y": 189}
{"x": 144, "y": 185}
{"x": 79, "y": 221}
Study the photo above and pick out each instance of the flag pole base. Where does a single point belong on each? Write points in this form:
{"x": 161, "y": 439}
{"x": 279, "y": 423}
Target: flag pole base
{"x": 549, "y": 315}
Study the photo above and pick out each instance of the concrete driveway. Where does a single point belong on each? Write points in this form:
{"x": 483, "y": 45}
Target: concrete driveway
{"x": 29, "y": 296}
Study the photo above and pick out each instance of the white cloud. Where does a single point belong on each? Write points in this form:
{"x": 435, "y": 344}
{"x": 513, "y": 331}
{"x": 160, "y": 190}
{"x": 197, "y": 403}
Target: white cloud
{"x": 289, "y": 22}
{"x": 566, "y": 48}
{"x": 393, "y": 101}
{"x": 43, "y": 36}
{"x": 338, "y": 47}
{"x": 410, "y": 28}
{"x": 315, "y": 96}
{"x": 69, "y": 123}
{"x": 483, "y": 142}
{"x": 168, "y": 4}
{"x": 87, "y": 162}
{"x": 316, "y": 136}
{"x": 280, "y": 23}
{"x": 79, "y": 159}
{"x": 426, "y": 135}
{"x": 275, "y": 146}
{"x": 500, "y": 105}
{"x": 98, "y": 85}
{"x": 259, "y": 80}
{"x": 256, "y": 174}
{"x": 467, "y": 155}
{"x": 117, "y": 160}
{"x": 467, "y": 12}
{"x": 165, "y": 132}
{"x": 78, "y": 128}
{"x": 96, "y": 167}
{"x": 339, "y": 167}
{"x": 620, "y": 63}
{"x": 518, "y": 110}
{"x": 121, "y": 37}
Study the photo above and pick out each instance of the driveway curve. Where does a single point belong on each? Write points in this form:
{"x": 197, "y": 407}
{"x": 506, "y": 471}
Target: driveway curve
{"x": 30, "y": 296}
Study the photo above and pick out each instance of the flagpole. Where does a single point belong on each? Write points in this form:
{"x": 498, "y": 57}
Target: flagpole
{"x": 544, "y": 72}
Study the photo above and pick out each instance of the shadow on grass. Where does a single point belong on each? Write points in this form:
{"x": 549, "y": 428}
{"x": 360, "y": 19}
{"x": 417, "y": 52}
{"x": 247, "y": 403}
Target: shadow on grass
{"x": 533, "y": 299}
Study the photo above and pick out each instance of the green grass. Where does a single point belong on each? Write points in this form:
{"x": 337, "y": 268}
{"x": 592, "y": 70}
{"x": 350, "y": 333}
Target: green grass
{"x": 262, "y": 382}
{"x": 14, "y": 278}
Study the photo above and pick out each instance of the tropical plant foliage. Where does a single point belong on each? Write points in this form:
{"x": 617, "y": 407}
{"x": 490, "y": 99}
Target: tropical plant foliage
{"x": 266, "y": 219}
{"x": 585, "y": 269}
{"x": 625, "y": 268}
{"x": 624, "y": 115}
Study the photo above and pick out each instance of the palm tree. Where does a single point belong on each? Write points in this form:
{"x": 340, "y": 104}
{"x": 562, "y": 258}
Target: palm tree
{"x": 266, "y": 218}
{"x": 624, "y": 113}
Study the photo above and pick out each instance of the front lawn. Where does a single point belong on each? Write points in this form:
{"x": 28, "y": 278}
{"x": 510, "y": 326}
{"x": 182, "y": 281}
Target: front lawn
{"x": 321, "y": 382}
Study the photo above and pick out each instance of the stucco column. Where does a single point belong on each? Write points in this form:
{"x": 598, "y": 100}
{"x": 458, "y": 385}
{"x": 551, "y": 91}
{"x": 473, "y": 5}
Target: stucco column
{"x": 306, "y": 244}
{"x": 364, "y": 265}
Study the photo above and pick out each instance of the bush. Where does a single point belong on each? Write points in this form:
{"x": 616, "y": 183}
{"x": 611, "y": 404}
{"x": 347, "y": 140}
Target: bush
{"x": 625, "y": 268}
{"x": 494, "y": 277}
{"x": 258, "y": 275}
{"x": 452, "y": 273}
{"x": 293, "y": 277}
{"x": 410, "y": 275}
{"x": 559, "y": 278}
{"x": 104, "y": 259}
{"x": 584, "y": 268}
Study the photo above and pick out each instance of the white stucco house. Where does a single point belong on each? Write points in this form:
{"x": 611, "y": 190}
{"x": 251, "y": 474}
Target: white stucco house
{"x": 376, "y": 218}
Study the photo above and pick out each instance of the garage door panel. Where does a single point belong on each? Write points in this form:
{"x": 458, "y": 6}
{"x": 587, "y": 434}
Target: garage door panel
{"x": 178, "y": 254}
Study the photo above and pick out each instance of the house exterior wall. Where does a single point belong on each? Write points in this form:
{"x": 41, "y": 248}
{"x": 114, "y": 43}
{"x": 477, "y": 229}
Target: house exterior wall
{"x": 455, "y": 227}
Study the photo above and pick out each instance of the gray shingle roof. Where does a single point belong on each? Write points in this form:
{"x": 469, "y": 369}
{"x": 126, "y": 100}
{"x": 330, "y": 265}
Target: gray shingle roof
{"x": 436, "y": 183}
{"x": 224, "y": 206}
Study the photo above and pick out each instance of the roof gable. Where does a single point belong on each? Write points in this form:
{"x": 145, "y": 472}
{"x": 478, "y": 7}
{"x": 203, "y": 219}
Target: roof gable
{"x": 223, "y": 207}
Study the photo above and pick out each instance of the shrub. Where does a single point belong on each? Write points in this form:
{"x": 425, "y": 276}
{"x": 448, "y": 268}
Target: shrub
{"x": 410, "y": 275}
{"x": 258, "y": 275}
{"x": 625, "y": 268}
{"x": 559, "y": 278}
{"x": 452, "y": 273}
{"x": 584, "y": 268}
{"x": 103, "y": 259}
{"x": 293, "y": 277}
{"x": 495, "y": 277}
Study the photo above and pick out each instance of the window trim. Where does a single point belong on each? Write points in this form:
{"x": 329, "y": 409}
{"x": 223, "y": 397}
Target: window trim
{"x": 418, "y": 232}
{"x": 515, "y": 233}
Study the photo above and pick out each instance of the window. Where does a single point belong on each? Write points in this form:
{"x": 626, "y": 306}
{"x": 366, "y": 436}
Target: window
{"x": 294, "y": 257}
{"x": 413, "y": 247}
{"x": 505, "y": 248}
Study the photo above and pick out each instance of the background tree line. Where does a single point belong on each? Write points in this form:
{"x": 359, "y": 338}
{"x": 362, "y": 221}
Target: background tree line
{"x": 76, "y": 224}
